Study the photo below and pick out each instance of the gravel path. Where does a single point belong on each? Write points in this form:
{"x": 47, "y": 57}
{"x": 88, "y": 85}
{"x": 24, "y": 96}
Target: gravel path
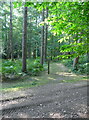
{"x": 54, "y": 100}
{"x": 49, "y": 101}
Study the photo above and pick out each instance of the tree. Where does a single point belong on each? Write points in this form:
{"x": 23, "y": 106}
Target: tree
{"x": 11, "y": 31}
{"x": 24, "y": 41}
{"x": 46, "y": 36}
{"x": 42, "y": 42}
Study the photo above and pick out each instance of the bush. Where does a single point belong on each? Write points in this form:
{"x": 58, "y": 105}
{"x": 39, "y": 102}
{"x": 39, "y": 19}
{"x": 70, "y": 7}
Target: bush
{"x": 8, "y": 67}
{"x": 13, "y": 68}
{"x": 68, "y": 62}
{"x": 82, "y": 66}
{"x": 35, "y": 68}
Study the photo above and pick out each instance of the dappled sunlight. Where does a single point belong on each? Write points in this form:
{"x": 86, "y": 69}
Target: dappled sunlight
{"x": 10, "y": 103}
{"x": 15, "y": 89}
{"x": 83, "y": 107}
{"x": 14, "y": 94}
{"x": 83, "y": 115}
{"x": 23, "y": 115}
{"x": 50, "y": 78}
{"x": 14, "y": 103}
{"x": 55, "y": 115}
{"x": 66, "y": 74}
{"x": 12, "y": 89}
{"x": 36, "y": 78}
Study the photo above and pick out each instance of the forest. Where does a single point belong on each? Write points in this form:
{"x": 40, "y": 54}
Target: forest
{"x": 44, "y": 59}
{"x": 36, "y": 34}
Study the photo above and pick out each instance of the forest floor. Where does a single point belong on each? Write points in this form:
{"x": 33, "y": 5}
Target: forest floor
{"x": 61, "y": 94}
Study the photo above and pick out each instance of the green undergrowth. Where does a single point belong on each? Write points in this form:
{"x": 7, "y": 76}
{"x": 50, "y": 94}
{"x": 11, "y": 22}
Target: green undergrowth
{"x": 58, "y": 74}
{"x": 12, "y": 69}
{"x": 82, "y": 66}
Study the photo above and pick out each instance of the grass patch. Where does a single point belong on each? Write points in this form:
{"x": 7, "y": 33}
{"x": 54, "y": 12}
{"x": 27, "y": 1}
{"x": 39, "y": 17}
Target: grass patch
{"x": 74, "y": 80}
{"x": 22, "y": 84}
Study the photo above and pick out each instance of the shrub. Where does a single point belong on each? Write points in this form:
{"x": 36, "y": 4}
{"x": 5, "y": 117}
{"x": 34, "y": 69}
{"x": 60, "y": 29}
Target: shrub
{"x": 13, "y": 68}
{"x": 35, "y": 68}
{"x": 82, "y": 66}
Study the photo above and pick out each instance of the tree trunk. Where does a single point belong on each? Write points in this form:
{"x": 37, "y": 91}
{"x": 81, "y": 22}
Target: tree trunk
{"x": 52, "y": 47}
{"x": 24, "y": 41}
{"x": 88, "y": 57}
{"x": 35, "y": 45}
{"x": 88, "y": 62}
{"x": 34, "y": 53}
{"x": 29, "y": 39}
{"x": 5, "y": 43}
{"x": 8, "y": 46}
{"x": 42, "y": 42}
{"x": 11, "y": 32}
{"x": 46, "y": 35}
{"x": 75, "y": 62}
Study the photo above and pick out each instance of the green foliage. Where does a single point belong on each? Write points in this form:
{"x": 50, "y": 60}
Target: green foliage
{"x": 68, "y": 22}
{"x": 82, "y": 67}
{"x": 13, "y": 68}
{"x": 8, "y": 67}
{"x": 68, "y": 62}
{"x": 35, "y": 67}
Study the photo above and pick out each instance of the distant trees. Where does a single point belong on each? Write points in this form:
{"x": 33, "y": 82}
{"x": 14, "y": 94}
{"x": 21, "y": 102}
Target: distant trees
{"x": 64, "y": 22}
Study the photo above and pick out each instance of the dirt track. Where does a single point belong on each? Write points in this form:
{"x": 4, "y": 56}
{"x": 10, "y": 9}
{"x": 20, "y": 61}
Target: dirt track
{"x": 54, "y": 100}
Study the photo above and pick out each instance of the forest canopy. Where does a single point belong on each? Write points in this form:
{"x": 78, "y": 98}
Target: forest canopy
{"x": 71, "y": 23}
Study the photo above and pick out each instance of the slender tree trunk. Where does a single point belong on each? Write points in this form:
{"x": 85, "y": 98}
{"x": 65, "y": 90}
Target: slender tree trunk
{"x": 35, "y": 44}
{"x": 5, "y": 42}
{"x": 8, "y": 46}
{"x": 11, "y": 32}
{"x": 46, "y": 35}
{"x": 29, "y": 45}
{"x": 29, "y": 39}
{"x": 24, "y": 41}
{"x": 42, "y": 42}
{"x": 51, "y": 55}
{"x": 88, "y": 62}
{"x": 87, "y": 54}
{"x": 76, "y": 60}
{"x": 52, "y": 47}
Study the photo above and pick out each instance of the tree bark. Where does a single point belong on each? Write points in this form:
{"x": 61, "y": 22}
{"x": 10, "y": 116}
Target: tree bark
{"x": 88, "y": 57}
{"x": 35, "y": 45}
{"x": 46, "y": 35}
{"x": 24, "y": 41}
{"x": 8, "y": 46}
{"x": 5, "y": 43}
{"x": 11, "y": 32}
{"x": 42, "y": 42}
{"x": 29, "y": 38}
{"x": 76, "y": 60}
